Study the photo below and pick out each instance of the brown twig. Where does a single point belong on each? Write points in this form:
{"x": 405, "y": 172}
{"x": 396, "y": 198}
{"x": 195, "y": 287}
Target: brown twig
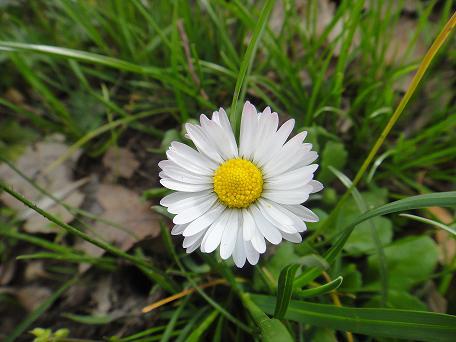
{"x": 181, "y": 294}
{"x": 191, "y": 68}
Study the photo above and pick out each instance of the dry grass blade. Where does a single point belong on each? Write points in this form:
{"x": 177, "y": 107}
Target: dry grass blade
{"x": 181, "y": 294}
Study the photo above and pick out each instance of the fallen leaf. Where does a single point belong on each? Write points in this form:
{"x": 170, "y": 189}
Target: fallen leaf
{"x": 132, "y": 219}
{"x": 326, "y": 13}
{"x": 32, "y": 296}
{"x": 435, "y": 300}
{"x": 101, "y": 296}
{"x": 442, "y": 214}
{"x": 7, "y": 270}
{"x": 32, "y": 162}
{"x": 402, "y": 50}
{"x": 34, "y": 269}
{"x": 120, "y": 162}
{"x": 15, "y": 96}
{"x": 446, "y": 242}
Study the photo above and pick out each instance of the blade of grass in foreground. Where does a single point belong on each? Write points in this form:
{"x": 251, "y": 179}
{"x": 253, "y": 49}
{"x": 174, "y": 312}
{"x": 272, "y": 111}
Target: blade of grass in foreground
{"x": 246, "y": 65}
{"x": 391, "y": 323}
{"x": 271, "y": 329}
{"x": 443, "y": 199}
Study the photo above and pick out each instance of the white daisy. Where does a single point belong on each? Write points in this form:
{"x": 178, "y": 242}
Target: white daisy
{"x": 235, "y": 198}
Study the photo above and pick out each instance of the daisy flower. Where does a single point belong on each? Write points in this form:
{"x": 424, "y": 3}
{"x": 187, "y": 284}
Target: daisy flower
{"x": 236, "y": 198}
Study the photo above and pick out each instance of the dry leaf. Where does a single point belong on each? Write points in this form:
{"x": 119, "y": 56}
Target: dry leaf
{"x": 326, "y": 12}
{"x": 7, "y": 270}
{"x": 32, "y": 296}
{"x": 435, "y": 300}
{"x": 35, "y": 159}
{"x": 133, "y": 218}
{"x": 15, "y": 96}
{"x": 277, "y": 17}
{"x": 101, "y": 296}
{"x": 446, "y": 242}
{"x": 120, "y": 162}
{"x": 400, "y": 52}
{"x": 34, "y": 269}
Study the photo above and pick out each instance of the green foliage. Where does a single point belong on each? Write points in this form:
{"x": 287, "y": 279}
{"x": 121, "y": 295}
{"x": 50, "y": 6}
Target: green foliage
{"x": 101, "y": 71}
{"x": 412, "y": 325}
{"x": 410, "y": 261}
{"x": 335, "y": 155}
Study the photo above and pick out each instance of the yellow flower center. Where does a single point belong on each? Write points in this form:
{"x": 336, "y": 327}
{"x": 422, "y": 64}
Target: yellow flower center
{"x": 238, "y": 183}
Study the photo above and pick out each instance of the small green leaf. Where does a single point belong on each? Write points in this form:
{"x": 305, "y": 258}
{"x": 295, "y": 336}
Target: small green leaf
{"x": 361, "y": 240}
{"x": 410, "y": 261}
{"x": 398, "y": 300}
{"x": 335, "y": 155}
{"x": 352, "y": 278}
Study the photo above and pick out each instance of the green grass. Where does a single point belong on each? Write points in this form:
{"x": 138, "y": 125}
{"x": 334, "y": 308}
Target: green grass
{"x": 97, "y": 71}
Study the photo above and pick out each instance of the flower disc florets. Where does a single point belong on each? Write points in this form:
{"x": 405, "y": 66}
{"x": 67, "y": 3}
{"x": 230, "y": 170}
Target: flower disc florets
{"x": 238, "y": 183}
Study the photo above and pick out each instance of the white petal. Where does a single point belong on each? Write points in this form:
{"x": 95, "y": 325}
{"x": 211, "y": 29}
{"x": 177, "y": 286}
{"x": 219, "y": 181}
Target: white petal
{"x": 248, "y": 225}
{"x": 268, "y": 128}
{"x": 239, "y": 254}
{"x": 316, "y": 186}
{"x": 304, "y": 213}
{"x": 276, "y": 142}
{"x": 288, "y": 156}
{"x": 258, "y": 242}
{"x": 291, "y": 179}
{"x": 189, "y": 203}
{"x": 219, "y": 138}
{"x": 280, "y": 217}
{"x": 188, "y": 163}
{"x": 202, "y": 142}
{"x": 186, "y": 187}
{"x": 229, "y": 235}
{"x": 204, "y": 221}
{"x": 225, "y": 123}
{"x": 165, "y": 163}
{"x": 251, "y": 253}
{"x": 296, "y": 238}
{"x": 195, "y": 245}
{"x": 296, "y": 196}
{"x": 178, "y": 229}
{"x": 190, "y": 240}
{"x": 214, "y": 234}
{"x": 308, "y": 158}
{"x": 249, "y": 126}
{"x": 267, "y": 229}
{"x": 176, "y": 197}
{"x": 194, "y": 156}
{"x": 181, "y": 175}
{"x": 195, "y": 211}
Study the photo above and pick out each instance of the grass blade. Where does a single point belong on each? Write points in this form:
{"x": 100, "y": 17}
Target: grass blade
{"x": 405, "y": 324}
{"x": 449, "y": 229}
{"x": 272, "y": 330}
{"x": 285, "y": 289}
{"x": 246, "y": 65}
{"x": 444, "y": 199}
{"x": 329, "y": 287}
